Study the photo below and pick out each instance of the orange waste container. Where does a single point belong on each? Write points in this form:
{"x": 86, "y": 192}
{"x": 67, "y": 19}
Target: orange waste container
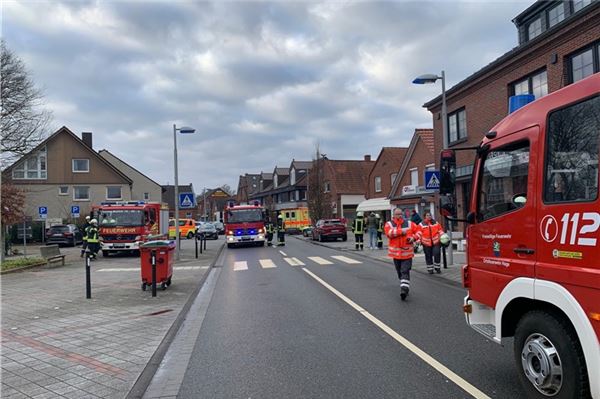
{"x": 165, "y": 254}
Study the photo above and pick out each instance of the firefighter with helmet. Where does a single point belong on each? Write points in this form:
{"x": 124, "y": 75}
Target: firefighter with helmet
{"x": 358, "y": 228}
{"x": 93, "y": 241}
{"x": 402, "y": 233}
{"x": 280, "y": 231}
{"x": 86, "y": 226}
{"x": 269, "y": 230}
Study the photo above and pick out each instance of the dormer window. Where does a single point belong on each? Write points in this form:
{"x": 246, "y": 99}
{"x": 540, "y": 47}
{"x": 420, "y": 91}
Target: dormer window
{"x": 579, "y": 4}
{"x": 556, "y": 14}
{"x": 293, "y": 176}
{"x": 534, "y": 29}
{"x": 34, "y": 167}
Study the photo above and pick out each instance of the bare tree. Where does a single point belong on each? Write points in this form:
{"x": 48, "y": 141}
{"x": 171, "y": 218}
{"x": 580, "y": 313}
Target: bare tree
{"x": 319, "y": 201}
{"x": 23, "y": 120}
{"x": 12, "y": 200}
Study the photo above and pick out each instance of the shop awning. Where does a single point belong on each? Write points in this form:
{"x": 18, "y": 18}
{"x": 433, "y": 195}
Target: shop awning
{"x": 375, "y": 204}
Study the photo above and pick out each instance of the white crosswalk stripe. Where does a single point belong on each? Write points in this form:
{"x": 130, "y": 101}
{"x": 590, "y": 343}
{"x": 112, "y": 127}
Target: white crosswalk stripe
{"x": 345, "y": 259}
{"x": 294, "y": 261}
{"x": 240, "y": 265}
{"x": 319, "y": 260}
{"x": 267, "y": 263}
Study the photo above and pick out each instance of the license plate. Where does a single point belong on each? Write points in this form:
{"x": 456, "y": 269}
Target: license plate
{"x": 246, "y": 238}
{"x": 336, "y": 231}
{"x": 118, "y": 245}
{"x": 57, "y": 235}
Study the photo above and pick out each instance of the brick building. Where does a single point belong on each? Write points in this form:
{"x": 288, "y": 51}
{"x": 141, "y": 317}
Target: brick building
{"x": 559, "y": 43}
{"x": 168, "y": 197}
{"x": 409, "y": 190}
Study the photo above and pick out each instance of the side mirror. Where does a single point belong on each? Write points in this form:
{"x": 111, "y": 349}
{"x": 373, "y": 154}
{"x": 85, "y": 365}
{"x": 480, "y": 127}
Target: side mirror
{"x": 519, "y": 200}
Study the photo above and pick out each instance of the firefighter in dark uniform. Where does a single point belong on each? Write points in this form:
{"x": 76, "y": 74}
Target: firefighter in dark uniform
{"x": 86, "y": 226}
{"x": 269, "y": 229}
{"x": 358, "y": 228}
{"x": 93, "y": 240}
{"x": 379, "y": 232}
{"x": 280, "y": 231}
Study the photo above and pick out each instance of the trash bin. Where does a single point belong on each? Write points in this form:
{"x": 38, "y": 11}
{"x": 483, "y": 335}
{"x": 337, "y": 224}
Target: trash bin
{"x": 165, "y": 253}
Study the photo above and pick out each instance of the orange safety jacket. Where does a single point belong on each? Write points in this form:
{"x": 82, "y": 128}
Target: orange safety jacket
{"x": 429, "y": 233}
{"x": 401, "y": 233}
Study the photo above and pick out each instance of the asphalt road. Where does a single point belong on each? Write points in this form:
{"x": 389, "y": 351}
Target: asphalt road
{"x": 274, "y": 330}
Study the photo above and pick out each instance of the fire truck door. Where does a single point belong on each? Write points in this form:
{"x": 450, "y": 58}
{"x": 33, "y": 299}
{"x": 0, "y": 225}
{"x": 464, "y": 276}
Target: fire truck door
{"x": 501, "y": 241}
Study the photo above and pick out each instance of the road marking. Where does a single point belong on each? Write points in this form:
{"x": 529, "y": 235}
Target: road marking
{"x": 294, "y": 261}
{"x": 137, "y": 269}
{"x": 346, "y": 259}
{"x": 319, "y": 260}
{"x": 445, "y": 371}
{"x": 240, "y": 265}
{"x": 267, "y": 264}
{"x": 283, "y": 253}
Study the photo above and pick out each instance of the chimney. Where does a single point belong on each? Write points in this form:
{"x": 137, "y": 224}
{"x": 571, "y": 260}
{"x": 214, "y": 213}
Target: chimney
{"x": 367, "y": 158}
{"x": 87, "y": 138}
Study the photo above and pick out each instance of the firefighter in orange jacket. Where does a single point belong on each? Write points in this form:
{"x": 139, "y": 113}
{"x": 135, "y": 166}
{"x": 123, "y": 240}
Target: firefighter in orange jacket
{"x": 430, "y": 232}
{"x": 402, "y": 233}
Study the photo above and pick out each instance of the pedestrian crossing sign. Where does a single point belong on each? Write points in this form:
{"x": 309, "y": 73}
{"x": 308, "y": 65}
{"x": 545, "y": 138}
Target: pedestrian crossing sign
{"x": 432, "y": 180}
{"x": 186, "y": 200}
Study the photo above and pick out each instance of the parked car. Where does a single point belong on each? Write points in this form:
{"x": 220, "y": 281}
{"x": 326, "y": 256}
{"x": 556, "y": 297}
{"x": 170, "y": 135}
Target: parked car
{"x": 220, "y": 227}
{"x": 307, "y": 231}
{"x": 208, "y": 230}
{"x": 66, "y": 234}
{"x": 327, "y": 229}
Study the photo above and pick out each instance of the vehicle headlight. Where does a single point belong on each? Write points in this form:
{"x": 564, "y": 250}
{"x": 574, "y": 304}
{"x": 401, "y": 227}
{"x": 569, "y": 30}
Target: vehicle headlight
{"x": 230, "y": 232}
{"x": 260, "y": 230}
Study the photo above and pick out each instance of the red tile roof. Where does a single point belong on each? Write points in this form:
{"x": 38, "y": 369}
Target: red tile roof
{"x": 350, "y": 177}
{"x": 427, "y": 137}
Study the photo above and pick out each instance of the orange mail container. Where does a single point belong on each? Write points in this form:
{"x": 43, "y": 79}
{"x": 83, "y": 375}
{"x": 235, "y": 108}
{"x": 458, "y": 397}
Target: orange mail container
{"x": 165, "y": 254}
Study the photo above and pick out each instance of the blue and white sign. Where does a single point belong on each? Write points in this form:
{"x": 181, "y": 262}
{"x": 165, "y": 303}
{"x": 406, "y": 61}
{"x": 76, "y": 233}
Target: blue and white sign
{"x": 186, "y": 200}
{"x": 75, "y": 211}
{"x": 43, "y": 211}
{"x": 432, "y": 179}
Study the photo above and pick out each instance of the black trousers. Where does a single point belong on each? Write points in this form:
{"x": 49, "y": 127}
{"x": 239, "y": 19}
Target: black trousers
{"x": 379, "y": 239}
{"x": 358, "y": 238}
{"x": 269, "y": 237}
{"x": 403, "y": 267}
{"x": 432, "y": 256}
{"x": 281, "y": 237}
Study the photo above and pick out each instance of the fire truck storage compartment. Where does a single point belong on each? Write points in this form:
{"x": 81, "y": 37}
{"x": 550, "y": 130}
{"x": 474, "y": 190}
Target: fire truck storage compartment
{"x": 165, "y": 253}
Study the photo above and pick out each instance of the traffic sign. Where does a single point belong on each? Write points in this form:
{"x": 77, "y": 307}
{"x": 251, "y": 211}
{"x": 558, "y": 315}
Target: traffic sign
{"x": 43, "y": 211}
{"x": 432, "y": 179}
{"x": 186, "y": 200}
{"x": 75, "y": 211}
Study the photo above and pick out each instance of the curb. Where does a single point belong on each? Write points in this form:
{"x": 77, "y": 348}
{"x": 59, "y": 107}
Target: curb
{"x": 145, "y": 378}
{"x": 423, "y": 272}
{"x": 20, "y": 269}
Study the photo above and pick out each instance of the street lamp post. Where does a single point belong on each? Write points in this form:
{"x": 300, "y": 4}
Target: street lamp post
{"x": 432, "y": 78}
{"x": 184, "y": 130}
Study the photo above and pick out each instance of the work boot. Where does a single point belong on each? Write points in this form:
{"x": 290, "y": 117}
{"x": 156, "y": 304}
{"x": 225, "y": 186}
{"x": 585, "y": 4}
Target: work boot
{"x": 438, "y": 270}
{"x": 430, "y": 271}
{"x": 403, "y": 293}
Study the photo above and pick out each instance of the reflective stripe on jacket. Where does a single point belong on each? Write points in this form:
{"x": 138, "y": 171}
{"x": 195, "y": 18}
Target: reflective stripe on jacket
{"x": 358, "y": 226}
{"x": 399, "y": 232}
{"x": 93, "y": 235}
{"x": 430, "y": 233}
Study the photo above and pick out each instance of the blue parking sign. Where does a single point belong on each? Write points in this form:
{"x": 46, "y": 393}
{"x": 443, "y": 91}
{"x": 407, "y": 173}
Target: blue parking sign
{"x": 43, "y": 211}
{"x": 75, "y": 211}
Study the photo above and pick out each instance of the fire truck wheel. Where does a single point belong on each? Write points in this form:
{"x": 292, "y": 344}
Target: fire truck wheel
{"x": 229, "y": 245}
{"x": 143, "y": 286}
{"x": 549, "y": 357}
{"x": 105, "y": 254}
{"x": 135, "y": 252}
{"x": 169, "y": 282}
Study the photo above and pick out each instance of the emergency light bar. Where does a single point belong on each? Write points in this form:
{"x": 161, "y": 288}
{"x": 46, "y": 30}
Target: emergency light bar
{"x": 117, "y": 203}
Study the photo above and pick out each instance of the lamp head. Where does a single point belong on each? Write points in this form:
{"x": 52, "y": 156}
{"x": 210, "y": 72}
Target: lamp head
{"x": 186, "y": 130}
{"x": 427, "y": 78}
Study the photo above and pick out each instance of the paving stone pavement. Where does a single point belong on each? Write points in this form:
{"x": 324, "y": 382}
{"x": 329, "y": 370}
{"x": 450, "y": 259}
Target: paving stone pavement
{"x": 452, "y": 273}
{"x": 58, "y": 344}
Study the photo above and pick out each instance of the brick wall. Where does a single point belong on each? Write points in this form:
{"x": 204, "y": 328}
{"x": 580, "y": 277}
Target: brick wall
{"x": 388, "y": 163}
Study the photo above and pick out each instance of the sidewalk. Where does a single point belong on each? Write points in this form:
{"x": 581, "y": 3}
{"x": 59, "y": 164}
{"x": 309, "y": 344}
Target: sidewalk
{"x": 452, "y": 273}
{"x": 58, "y": 344}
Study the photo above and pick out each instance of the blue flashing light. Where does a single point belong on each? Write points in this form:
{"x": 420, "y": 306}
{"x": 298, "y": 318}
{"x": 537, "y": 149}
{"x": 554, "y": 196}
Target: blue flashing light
{"x": 519, "y": 101}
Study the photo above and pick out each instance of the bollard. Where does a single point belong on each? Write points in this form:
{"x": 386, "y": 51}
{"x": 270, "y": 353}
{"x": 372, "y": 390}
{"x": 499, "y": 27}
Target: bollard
{"x": 153, "y": 260}
{"x": 201, "y": 237}
{"x": 204, "y": 242}
{"x": 444, "y": 261}
{"x": 88, "y": 282}
{"x": 196, "y": 239}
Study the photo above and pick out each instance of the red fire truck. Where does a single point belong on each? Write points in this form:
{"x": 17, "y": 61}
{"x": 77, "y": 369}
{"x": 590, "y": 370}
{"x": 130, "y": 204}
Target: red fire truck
{"x": 125, "y": 225}
{"x": 533, "y": 232}
{"x": 245, "y": 225}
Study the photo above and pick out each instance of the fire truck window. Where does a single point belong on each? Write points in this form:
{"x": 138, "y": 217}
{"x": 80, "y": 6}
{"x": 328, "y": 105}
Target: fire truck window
{"x": 504, "y": 177}
{"x": 152, "y": 215}
{"x": 573, "y": 139}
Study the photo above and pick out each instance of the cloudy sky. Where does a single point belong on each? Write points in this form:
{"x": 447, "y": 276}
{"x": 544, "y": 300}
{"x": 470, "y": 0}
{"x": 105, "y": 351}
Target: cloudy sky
{"x": 262, "y": 82}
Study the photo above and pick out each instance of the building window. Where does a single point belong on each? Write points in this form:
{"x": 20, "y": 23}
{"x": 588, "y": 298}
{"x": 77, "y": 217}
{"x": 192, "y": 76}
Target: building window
{"x": 579, "y": 4}
{"x": 81, "y": 165}
{"x": 414, "y": 177}
{"x": 572, "y": 153}
{"x": 535, "y": 28}
{"x": 536, "y": 84}
{"x": 378, "y": 184}
{"x": 393, "y": 178}
{"x": 33, "y": 167}
{"x": 303, "y": 195}
{"x": 430, "y": 166}
{"x": 113, "y": 192}
{"x": 81, "y": 193}
{"x": 146, "y": 196}
{"x": 582, "y": 64}
{"x": 556, "y": 14}
{"x": 63, "y": 190}
{"x": 327, "y": 187}
{"x": 457, "y": 126}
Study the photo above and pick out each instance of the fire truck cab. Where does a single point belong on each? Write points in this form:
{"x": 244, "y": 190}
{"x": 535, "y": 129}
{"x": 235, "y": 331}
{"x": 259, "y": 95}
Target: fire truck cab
{"x": 125, "y": 225}
{"x": 533, "y": 231}
{"x": 245, "y": 225}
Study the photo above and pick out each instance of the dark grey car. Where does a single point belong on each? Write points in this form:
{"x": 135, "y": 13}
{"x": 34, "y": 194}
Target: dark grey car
{"x": 64, "y": 234}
